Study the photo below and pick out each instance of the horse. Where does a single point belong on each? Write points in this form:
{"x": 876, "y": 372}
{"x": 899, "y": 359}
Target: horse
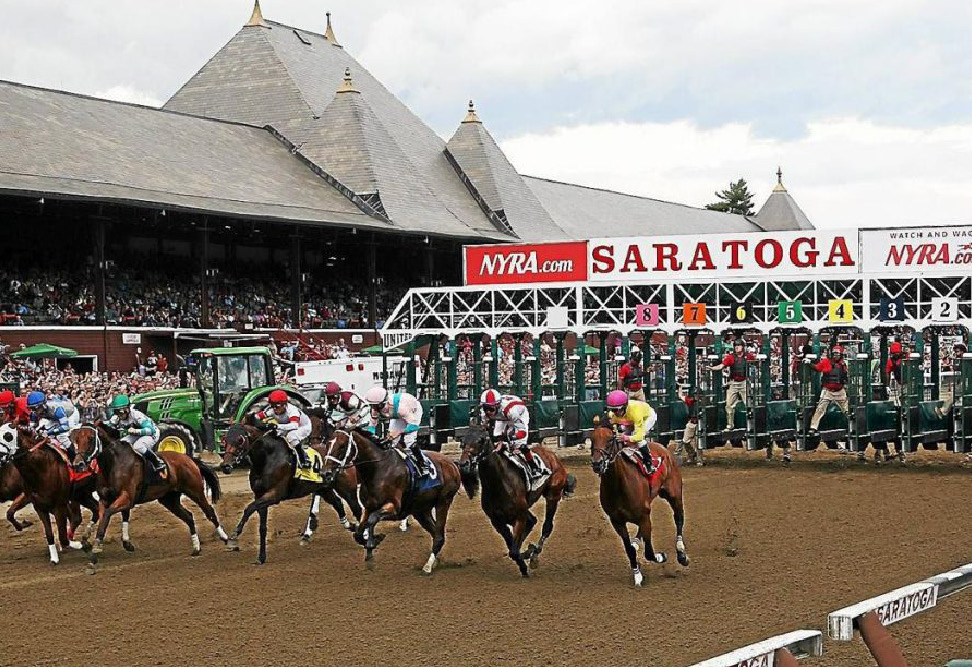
{"x": 121, "y": 484}
{"x": 626, "y": 494}
{"x": 385, "y": 482}
{"x": 506, "y": 500}
{"x": 272, "y": 480}
{"x": 345, "y": 487}
{"x": 12, "y": 491}
{"x": 47, "y": 485}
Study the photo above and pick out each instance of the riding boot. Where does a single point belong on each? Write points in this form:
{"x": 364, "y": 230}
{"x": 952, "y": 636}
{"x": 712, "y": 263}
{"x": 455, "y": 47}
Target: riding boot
{"x": 530, "y": 459}
{"x": 420, "y": 460}
{"x": 645, "y": 452}
{"x": 155, "y": 460}
{"x": 302, "y": 459}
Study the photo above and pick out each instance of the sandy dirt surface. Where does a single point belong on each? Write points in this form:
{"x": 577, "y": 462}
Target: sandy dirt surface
{"x": 806, "y": 540}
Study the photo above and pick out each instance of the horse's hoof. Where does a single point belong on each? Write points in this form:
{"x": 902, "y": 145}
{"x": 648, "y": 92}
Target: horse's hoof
{"x": 232, "y": 545}
{"x": 24, "y": 524}
{"x": 313, "y": 522}
{"x": 90, "y": 568}
{"x": 227, "y": 469}
{"x": 195, "y": 552}
{"x": 352, "y": 527}
{"x": 74, "y": 544}
{"x": 638, "y": 578}
{"x": 535, "y": 561}
{"x": 97, "y": 548}
{"x": 129, "y": 547}
{"x": 661, "y": 557}
{"x": 683, "y": 558}
{"x": 304, "y": 540}
{"x": 260, "y": 561}
{"x": 403, "y": 526}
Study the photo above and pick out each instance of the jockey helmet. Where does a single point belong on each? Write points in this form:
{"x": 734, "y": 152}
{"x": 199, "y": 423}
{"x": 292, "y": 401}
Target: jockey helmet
{"x": 376, "y": 396}
{"x": 490, "y": 397}
{"x": 120, "y": 402}
{"x": 617, "y": 400}
{"x": 332, "y": 389}
{"x": 36, "y": 399}
{"x": 895, "y": 348}
{"x": 277, "y": 396}
{"x": 738, "y": 343}
{"x": 6, "y": 398}
{"x": 837, "y": 350}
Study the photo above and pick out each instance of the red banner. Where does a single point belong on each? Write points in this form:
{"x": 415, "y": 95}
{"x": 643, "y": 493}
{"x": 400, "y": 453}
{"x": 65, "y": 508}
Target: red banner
{"x": 526, "y": 263}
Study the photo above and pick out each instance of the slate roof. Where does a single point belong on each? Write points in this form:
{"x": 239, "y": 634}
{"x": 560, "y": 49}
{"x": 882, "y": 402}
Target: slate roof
{"x": 583, "y": 212}
{"x": 781, "y": 212}
{"x": 77, "y": 146}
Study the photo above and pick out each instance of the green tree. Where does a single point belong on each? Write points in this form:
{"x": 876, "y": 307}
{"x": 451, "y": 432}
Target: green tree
{"x": 737, "y": 199}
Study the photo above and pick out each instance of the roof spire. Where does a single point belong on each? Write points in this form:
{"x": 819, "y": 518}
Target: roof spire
{"x": 329, "y": 32}
{"x": 779, "y": 181}
{"x": 348, "y": 85}
{"x": 256, "y": 18}
{"x": 471, "y": 116}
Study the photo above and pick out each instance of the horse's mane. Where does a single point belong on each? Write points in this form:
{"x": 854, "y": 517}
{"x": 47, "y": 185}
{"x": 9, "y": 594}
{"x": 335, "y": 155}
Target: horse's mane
{"x": 320, "y": 413}
{"x": 112, "y": 432}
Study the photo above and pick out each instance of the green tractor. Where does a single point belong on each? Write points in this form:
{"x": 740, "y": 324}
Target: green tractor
{"x": 228, "y": 383}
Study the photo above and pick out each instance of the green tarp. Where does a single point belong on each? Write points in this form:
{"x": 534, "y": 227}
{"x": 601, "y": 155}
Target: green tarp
{"x": 44, "y": 351}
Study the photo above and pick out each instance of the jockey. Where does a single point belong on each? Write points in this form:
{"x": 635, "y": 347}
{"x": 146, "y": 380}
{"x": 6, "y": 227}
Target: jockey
{"x": 138, "y": 430}
{"x": 635, "y": 419}
{"x": 404, "y": 414}
{"x": 347, "y": 409}
{"x": 291, "y": 423}
{"x": 510, "y": 420}
{"x": 13, "y": 409}
{"x": 55, "y": 418}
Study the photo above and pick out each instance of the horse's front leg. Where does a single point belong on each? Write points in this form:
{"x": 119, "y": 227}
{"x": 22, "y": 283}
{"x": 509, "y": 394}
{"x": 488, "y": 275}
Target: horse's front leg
{"x": 126, "y": 536}
{"x": 621, "y": 528}
{"x": 45, "y": 519}
{"x": 644, "y": 534}
{"x": 18, "y": 504}
{"x": 366, "y": 530}
{"x": 311, "y": 526}
{"x": 262, "y": 557}
{"x": 269, "y": 498}
{"x": 121, "y": 503}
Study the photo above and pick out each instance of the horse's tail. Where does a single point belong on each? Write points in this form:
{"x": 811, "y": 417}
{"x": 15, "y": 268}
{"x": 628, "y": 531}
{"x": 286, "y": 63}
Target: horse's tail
{"x": 470, "y": 481}
{"x": 571, "y": 485}
{"x": 211, "y": 479}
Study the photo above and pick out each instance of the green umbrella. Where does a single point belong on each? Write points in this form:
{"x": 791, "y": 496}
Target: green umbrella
{"x": 590, "y": 350}
{"x": 373, "y": 349}
{"x": 44, "y": 351}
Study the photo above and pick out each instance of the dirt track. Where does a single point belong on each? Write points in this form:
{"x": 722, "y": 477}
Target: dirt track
{"x": 808, "y": 540}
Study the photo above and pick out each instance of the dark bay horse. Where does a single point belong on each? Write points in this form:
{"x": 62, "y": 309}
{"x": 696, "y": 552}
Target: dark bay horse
{"x": 626, "y": 494}
{"x": 272, "y": 468}
{"x": 121, "y": 484}
{"x": 12, "y": 491}
{"x": 47, "y": 485}
{"x": 384, "y": 479}
{"x": 506, "y": 500}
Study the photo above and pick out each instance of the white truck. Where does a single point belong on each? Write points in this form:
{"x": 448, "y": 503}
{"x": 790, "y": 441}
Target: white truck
{"x": 358, "y": 374}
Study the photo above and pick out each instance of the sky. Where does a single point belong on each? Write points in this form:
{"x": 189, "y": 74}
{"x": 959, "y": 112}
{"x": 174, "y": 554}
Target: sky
{"x": 865, "y": 104}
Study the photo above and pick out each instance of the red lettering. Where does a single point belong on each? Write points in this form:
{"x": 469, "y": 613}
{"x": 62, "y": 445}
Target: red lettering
{"x": 733, "y": 247}
{"x": 777, "y": 253}
{"x": 701, "y": 255}
{"x": 925, "y": 254}
{"x": 666, "y": 252}
{"x": 840, "y": 252}
{"x": 809, "y": 258}
{"x": 633, "y": 257}
{"x": 603, "y": 259}
{"x": 942, "y": 257}
{"x": 898, "y": 254}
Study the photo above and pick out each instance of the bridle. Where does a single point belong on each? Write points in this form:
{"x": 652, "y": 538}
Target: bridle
{"x": 91, "y": 455}
{"x": 350, "y": 452}
{"x": 608, "y": 453}
{"x": 245, "y": 445}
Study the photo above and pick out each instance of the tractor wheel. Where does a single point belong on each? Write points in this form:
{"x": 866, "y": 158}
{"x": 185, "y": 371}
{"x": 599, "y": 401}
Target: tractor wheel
{"x": 176, "y": 438}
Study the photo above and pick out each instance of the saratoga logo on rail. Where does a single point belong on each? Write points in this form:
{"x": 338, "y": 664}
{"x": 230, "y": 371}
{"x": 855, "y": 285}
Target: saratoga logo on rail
{"x": 526, "y": 263}
{"x": 725, "y": 255}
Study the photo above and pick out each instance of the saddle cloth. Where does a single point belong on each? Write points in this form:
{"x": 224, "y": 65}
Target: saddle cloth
{"x": 313, "y": 473}
{"x": 634, "y": 456}
{"x": 534, "y": 480}
{"x": 417, "y": 481}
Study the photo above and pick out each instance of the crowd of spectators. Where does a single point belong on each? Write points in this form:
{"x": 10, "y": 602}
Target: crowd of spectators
{"x": 164, "y": 291}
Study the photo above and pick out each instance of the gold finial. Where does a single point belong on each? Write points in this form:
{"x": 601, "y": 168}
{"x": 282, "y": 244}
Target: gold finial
{"x": 471, "y": 116}
{"x": 329, "y": 32}
{"x": 348, "y": 85}
{"x": 257, "y": 17}
{"x": 779, "y": 181}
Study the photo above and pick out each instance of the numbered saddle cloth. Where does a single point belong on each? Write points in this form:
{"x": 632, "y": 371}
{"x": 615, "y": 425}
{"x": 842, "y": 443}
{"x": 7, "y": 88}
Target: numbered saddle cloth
{"x": 534, "y": 479}
{"x": 313, "y": 472}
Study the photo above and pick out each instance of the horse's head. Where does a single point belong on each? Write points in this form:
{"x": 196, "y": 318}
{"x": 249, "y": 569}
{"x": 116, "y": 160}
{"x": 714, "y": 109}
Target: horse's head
{"x": 9, "y": 441}
{"x": 341, "y": 452}
{"x": 604, "y": 444}
{"x": 476, "y": 444}
{"x": 87, "y": 445}
{"x": 237, "y": 443}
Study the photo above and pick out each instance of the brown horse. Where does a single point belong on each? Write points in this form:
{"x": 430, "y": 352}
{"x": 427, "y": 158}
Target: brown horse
{"x": 272, "y": 469}
{"x": 121, "y": 484}
{"x": 626, "y": 494}
{"x": 12, "y": 491}
{"x": 385, "y": 483}
{"x": 506, "y": 500}
{"x": 48, "y": 487}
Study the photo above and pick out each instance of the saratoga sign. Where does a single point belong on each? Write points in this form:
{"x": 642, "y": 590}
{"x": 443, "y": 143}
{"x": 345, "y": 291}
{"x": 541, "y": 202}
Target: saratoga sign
{"x": 646, "y": 259}
{"x": 925, "y": 249}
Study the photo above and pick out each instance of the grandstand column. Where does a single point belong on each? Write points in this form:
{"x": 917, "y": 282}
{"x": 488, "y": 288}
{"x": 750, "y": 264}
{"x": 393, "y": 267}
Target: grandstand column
{"x": 452, "y": 369}
{"x": 477, "y": 369}
{"x": 580, "y": 374}
{"x": 603, "y": 363}
{"x": 101, "y": 269}
{"x": 296, "y": 291}
{"x": 494, "y": 361}
{"x": 536, "y": 369}
{"x": 203, "y": 273}
{"x": 561, "y": 361}
{"x": 518, "y": 365}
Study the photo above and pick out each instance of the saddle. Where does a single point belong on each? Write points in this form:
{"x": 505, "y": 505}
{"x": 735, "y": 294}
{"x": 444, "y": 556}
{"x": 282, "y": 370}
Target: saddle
{"x": 634, "y": 456}
{"x": 534, "y": 478}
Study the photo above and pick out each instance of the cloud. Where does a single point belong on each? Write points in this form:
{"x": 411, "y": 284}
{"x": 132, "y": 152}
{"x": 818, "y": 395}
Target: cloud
{"x": 129, "y": 94}
{"x": 843, "y": 172}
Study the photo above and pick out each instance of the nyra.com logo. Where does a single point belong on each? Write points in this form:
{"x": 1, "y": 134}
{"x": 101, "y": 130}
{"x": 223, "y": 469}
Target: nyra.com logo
{"x": 929, "y": 248}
